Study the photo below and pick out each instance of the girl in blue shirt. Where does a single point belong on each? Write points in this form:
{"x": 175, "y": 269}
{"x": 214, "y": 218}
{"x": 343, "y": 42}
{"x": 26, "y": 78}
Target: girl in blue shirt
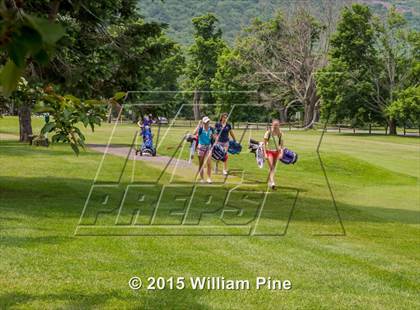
{"x": 205, "y": 137}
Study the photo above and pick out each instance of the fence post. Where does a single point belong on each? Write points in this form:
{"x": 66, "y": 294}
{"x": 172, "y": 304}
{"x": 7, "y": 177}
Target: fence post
{"x": 290, "y": 126}
{"x": 370, "y": 128}
{"x": 354, "y": 130}
{"x": 404, "y": 129}
{"x": 339, "y": 128}
{"x": 386, "y": 130}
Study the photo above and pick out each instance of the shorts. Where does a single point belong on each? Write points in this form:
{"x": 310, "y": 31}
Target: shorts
{"x": 203, "y": 149}
{"x": 273, "y": 154}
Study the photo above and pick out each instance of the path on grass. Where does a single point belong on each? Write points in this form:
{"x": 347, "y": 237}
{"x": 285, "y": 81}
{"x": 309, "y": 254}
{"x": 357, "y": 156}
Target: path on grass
{"x": 9, "y": 136}
{"x": 122, "y": 151}
{"x": 179, "y": 167}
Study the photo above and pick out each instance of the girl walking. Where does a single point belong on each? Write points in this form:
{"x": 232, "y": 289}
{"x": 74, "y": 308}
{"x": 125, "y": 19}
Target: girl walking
{"x": 205, "y": 137}
{"x": 273, "y": 149}
{"x": 223, "y": 130}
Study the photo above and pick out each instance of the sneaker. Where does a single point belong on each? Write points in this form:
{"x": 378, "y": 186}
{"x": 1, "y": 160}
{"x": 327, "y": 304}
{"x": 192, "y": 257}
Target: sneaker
{"x": 202, "y": 181}
{"x": 225, "y": 172}
{"x": 209, "y": 180}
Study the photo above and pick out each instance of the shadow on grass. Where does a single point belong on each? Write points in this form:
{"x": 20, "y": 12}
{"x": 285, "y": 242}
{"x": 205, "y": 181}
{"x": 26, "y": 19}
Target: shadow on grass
{"x": 26, "y": 241}
{"x": 16, "y": 148}
{"x": 66, "y": 198}
{"x": 165, "y": 299}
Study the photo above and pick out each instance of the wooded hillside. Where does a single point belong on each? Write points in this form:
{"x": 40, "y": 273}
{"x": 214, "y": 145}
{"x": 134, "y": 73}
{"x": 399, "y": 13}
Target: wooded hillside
{"x": 233, "y": 15}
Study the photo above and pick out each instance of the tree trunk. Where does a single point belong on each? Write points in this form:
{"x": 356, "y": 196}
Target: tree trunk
{"x": 133, "y": 116}
{"x": 54, "y": 6}
{"x": 308, "y": 117}
{"x": 25, "y": 125}
{"x": 310, "y": 106}
{"x": 392, "y": 127}
{"x": 283, "y": 115}
{"x": 109, "y": 120}
{"x": 317, "y": 114}
{"x": 196, "y": 105}
{"x": 112, "y": 109}
{"x": 12, "y": 107}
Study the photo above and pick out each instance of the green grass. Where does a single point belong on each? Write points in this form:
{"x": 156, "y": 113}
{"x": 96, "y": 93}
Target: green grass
{"x": 375, "y": 180}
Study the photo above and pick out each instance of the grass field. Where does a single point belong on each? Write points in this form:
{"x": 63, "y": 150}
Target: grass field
{"x": 376, "y": 264}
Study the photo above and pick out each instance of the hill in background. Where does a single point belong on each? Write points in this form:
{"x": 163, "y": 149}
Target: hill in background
{"x": 233, "y": 15}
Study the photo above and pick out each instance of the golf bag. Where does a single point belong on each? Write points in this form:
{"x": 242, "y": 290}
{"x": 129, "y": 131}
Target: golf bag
{"x": 234, "y": 147}
{"x": 193, "y": 140}
{"x": 289, "y": 157}
{"x": 190, "y": 138}
{"x": 253, "y": 145}
{"x": 147, "y": 147}
{"x": 219, "y": 153}
{"x": 257, "y": 148}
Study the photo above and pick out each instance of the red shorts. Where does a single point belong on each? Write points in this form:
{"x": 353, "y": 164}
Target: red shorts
{"x": 273, "y": 154}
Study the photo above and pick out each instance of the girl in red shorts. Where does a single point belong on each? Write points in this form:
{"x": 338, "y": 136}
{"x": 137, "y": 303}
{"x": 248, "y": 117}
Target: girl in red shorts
{"x": 273, "y": 149}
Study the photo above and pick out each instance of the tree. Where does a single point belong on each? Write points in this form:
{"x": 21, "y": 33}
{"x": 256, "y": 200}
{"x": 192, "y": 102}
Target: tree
{"x": 284, "y": 55}
{"x": 106, "y": 47}
{"x": 27, "y": 40}
{"x": 370, "y": 61}
{"x": 396, "y": 61}
{"x": 407, "y": 107}
{"x": 68, "y": 112}
{"x": 201, "y": 68}
{"x": 228, "y": 85}
{"x": 24, "y": 98}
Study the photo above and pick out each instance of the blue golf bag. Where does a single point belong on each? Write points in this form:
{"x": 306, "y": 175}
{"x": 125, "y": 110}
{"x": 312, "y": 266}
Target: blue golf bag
{"x": 219, "y": 153}
{"x": 147, "y": 147}
{"x": 234, "y": 147}
{"x": 289, "y": 157}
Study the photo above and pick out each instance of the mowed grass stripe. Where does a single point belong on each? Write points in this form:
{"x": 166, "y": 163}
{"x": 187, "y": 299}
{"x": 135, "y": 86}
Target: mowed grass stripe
{"x": 376, "y": 265}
